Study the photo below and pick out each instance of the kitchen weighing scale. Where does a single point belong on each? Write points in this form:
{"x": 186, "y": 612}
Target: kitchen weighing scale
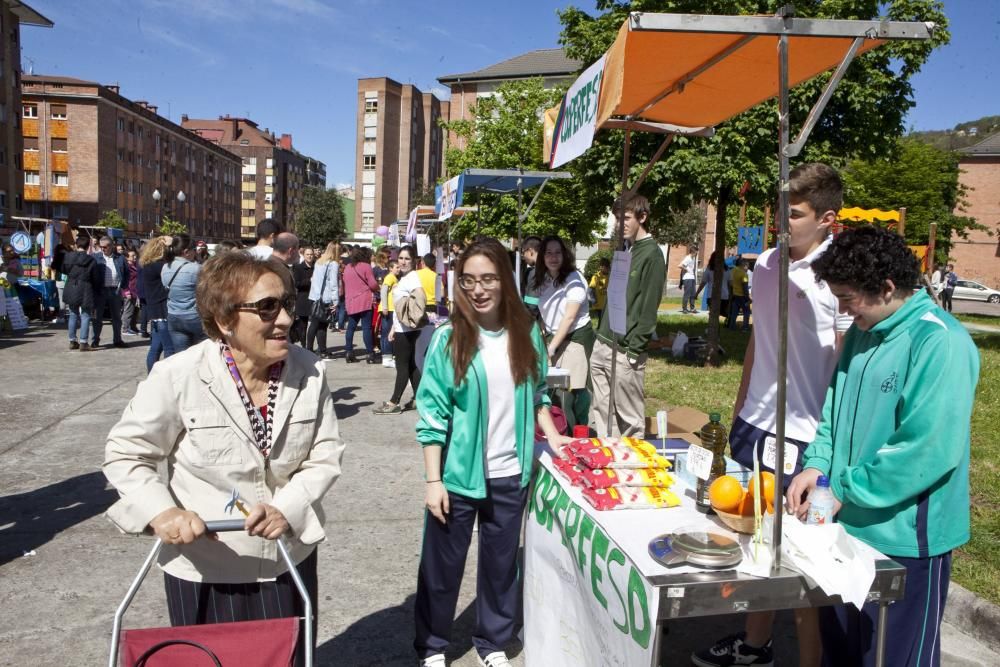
{"x": 696, "y": 546}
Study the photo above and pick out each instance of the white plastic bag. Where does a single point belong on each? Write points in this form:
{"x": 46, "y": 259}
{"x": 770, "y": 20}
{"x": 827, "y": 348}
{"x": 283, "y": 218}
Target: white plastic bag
{"x": 680, "y": 340}
{"x": 838, "y": 563}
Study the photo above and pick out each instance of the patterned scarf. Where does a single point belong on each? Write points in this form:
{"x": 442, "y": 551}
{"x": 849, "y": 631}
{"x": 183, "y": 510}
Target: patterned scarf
{"x": 261, "y": 420}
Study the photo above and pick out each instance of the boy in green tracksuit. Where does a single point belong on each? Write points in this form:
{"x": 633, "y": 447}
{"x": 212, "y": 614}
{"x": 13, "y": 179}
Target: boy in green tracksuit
{"x": 896, "y": 455}
{"x": 642, "y": 297}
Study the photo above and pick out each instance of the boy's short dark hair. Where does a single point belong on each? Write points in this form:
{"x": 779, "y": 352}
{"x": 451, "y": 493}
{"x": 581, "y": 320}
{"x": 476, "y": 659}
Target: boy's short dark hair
{"x": 638, "y": 204}
{"x": 863, "y": 258}
{"x": 532, "y": 243}
{"x": 430, "y": 261}
{"x": 818, "y": 185}
{"x": 268, "y": 227}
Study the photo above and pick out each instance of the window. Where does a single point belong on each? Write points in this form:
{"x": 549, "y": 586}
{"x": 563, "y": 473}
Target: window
{"x": 121, "y": 154}
{"x": 57, "y": 111}
{"x": 249, "y": 178}
{"x": 368, "y": 191}
{"x": 131, "y": 123}
{"x": 269, "y": 180}
{"x": 17, "y": 202}
{"x": 29, "y": 110}
{"x": 367, "y": 223}
{"x": 370, "y": 132}
{"x": 244, "y": 142}
{"x": 3, "y": 155}
{"x": 249, "y": 194}
{"x": 369, "y": 163}
{"x": 3, "y": 113}
{"x": 140, "y": 131}
{"x": 371, "y": 106}
{"x": 31, "y": 143}
{"x": 60, "y": 178}
{"x": 60, "y": 211}
{"x": 121, "y": 124}
{"x": 3, "y": 199}
{"x": 31, "y": 178}
{"x": 270, "y": 163}
{"x": 59, "y": 145}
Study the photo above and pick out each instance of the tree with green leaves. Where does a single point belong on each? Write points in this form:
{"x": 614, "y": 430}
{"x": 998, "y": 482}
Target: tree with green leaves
{"x": 113, "y": 219}
{"x": 319, "y": 218}
{"x": 920, "y": 177}
{"x": 862, "y": 121}
{"x": 169, "y": 226}
{"x": 506, "y": 133}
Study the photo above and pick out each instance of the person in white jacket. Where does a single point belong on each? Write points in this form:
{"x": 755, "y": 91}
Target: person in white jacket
{"x": 245, "y": 410}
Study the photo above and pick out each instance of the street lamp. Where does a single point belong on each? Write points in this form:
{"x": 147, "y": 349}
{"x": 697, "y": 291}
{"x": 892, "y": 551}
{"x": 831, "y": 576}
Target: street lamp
{"x": 180, "y": 205}
{"x": 159, "y": 217}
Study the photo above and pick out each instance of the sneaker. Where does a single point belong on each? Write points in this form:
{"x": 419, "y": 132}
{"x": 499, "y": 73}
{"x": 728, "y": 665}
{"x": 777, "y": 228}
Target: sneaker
{"x": 130, "y": 332}
{"x": 74, "y": 345}
{"x": 495, "y": 659}
{"x": 388, "y": 362}
{"x": 732, "y": 650}
{"x": 387, "y": 408}
{"x": 84, "y": 347}
{"x": 410, "y": 405}
{"x": 436, "y": 660}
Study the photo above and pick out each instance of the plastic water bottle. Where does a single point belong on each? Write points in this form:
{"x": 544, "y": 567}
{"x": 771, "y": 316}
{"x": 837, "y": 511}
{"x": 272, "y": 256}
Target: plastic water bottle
{"x": 820, "y": 503}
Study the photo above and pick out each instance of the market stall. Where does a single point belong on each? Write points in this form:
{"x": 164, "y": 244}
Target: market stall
{"x": 669, "y": 71}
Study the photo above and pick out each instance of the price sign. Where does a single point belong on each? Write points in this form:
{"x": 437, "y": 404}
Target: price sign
{"x": 771, "y": 454}
{"x": 699, "y": 461}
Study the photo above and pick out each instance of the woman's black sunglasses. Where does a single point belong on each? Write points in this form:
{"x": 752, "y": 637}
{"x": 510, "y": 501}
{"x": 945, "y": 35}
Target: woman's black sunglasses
{"x": 269, "y": 307}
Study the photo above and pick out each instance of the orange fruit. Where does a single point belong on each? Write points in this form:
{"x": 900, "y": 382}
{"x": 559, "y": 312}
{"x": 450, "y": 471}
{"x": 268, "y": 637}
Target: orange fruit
{"x": 725, "y": 493}
{"x": 745, "y": 507}
{"x": 767, "y": 482}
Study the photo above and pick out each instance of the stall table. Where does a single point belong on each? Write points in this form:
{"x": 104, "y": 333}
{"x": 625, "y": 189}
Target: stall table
{"x": 579, "y": 563}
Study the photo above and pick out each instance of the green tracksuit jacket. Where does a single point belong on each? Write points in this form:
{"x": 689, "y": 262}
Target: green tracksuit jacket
{"x": 645, "y": 287}
{"x": 894, "y": 434}
{"x": 456, "y": 417}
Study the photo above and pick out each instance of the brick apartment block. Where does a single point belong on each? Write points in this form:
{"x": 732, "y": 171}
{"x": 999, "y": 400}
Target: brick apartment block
{"x": 978, "y": 257}
{"x": 88, "y": 150}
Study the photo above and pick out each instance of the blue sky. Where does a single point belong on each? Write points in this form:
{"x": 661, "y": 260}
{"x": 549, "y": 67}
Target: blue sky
{"x": 293, "y": 65}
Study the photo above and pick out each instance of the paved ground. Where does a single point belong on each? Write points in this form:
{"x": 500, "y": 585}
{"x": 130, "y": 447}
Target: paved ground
{"x": 64, "y": 568}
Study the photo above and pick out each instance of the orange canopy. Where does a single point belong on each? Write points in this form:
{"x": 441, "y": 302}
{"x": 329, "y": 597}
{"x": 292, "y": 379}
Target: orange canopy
{"x": 662, "y": 71}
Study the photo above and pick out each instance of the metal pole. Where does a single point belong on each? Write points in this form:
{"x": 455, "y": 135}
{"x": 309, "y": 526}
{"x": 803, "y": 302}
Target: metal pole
{"x": 883, "y": 620}
{"x": 783, "y": 240}
{"x": 517, "y": 254}
{"x": 621, "y": 246}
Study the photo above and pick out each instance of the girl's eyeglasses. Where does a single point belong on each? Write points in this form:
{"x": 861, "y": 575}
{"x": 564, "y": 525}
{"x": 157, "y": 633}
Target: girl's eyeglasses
{"x": 269, "y": 307}
{"x": 468, "y": 283}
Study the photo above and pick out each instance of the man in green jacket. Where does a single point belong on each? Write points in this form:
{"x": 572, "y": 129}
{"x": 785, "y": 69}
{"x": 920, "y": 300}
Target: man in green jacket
{"x": 642, "y": 300}
{"x": 896, "y": 454}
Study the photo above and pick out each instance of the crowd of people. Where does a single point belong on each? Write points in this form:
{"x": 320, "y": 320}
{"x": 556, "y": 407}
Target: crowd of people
{"x": 236, "y": 332}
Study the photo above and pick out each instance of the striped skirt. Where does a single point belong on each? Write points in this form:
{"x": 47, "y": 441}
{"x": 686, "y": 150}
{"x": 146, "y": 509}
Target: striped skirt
{"x": 198, "y": 602}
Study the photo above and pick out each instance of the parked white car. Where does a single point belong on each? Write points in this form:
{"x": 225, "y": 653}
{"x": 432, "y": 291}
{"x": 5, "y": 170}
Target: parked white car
{"x": 973, "y": 291}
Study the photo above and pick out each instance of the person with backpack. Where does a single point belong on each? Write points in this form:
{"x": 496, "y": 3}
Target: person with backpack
{"x": 81, "y": 285}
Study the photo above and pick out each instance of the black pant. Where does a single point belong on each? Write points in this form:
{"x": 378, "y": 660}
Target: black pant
{"x": 404, "y": 345}
{"x": 198, "y": 603}
{"x": 112, "y": 298}
{"x": 946, "y": 295}
{"x": 298, "y": 330}
{"x": 442, "y": 563}
{"x": 316, "y": 332}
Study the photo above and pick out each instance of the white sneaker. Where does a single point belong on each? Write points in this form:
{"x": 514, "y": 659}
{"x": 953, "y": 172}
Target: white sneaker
{"x": 495, "y": 659}
{"x": 388, "y": 362}
{"x": 436, "y": 660}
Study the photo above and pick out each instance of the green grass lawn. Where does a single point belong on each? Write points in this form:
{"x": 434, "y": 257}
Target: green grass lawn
{"x": 976, "y": 565}
{"x": 989, "y": 320}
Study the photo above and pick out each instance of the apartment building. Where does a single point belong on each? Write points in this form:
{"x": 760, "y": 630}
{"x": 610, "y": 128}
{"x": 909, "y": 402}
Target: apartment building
{"x": 977, "y": 257}
{"x": 272, "y": 173}
{"x": 88, "y": 149}
{"x": 400, "y": 150}
{"x": 552, "y": 65}
{"x": 12, "y": 16}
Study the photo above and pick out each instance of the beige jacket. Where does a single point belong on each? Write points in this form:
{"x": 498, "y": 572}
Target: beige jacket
{"x": 187, "y": 417}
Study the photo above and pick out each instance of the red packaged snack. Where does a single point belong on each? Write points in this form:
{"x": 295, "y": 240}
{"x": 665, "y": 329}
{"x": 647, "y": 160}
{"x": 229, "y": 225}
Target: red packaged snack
{"x": 602, "y": 478}
{"x": 572, "y": 471}
{"x": 623, "y": 454}
{"x": 626, "y": 497}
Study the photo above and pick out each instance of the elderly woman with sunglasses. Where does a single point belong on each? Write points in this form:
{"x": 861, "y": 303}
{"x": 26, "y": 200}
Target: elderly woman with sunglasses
{"x": 242, "y": 413}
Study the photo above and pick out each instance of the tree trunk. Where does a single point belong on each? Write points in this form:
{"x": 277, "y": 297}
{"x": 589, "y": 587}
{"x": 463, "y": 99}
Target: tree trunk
{"x": 714, "y": 358}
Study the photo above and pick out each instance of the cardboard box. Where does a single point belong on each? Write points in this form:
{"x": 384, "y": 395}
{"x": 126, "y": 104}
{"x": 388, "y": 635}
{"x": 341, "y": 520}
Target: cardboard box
{"x": 683, "y": 423}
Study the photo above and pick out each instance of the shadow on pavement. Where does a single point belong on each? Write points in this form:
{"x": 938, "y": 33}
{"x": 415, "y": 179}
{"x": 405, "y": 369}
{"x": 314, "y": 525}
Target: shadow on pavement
{"x": 344, "y": 409}
{"x": 31, "y": 519}
{"x": 384, "y": 637}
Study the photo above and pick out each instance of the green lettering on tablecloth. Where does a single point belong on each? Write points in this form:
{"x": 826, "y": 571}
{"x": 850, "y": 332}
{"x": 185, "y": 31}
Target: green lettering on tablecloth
{"x": 588, "y": 546}
{"x": 616, "y": 556}
{"x": 600, "y": 549}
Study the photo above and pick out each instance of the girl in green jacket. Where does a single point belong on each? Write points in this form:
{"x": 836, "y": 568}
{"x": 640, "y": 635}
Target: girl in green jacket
{"x": 482, "y": 389}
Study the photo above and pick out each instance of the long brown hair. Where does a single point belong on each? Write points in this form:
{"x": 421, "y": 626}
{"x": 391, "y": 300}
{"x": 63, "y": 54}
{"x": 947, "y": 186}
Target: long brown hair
{"x": 513, "y": 317}
{"x": 567, "y": 267}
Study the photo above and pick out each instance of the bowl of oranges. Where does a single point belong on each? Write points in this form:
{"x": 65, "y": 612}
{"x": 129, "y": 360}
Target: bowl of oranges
{"x": 734, "y": 505}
